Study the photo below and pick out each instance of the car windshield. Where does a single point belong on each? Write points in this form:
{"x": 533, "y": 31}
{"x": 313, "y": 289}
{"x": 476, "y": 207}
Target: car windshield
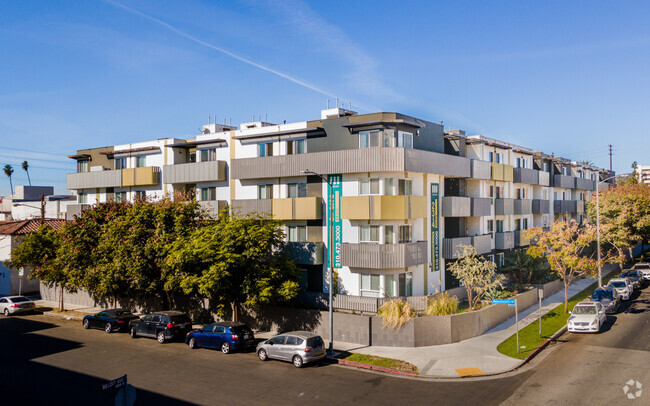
{"x": 584, "y": 310}
{"x": 239, "y": 330}
{"x": 602, "y": 294}
{"x": 315, "y": 342}
{"x": 180, "y": 319}
{"x": 121, "y": 313}
{"x": 642, "y": 266}
{"x": 626, "y": 274}
{"x": 19, "y": 299}
{"x": 617, "y": 284}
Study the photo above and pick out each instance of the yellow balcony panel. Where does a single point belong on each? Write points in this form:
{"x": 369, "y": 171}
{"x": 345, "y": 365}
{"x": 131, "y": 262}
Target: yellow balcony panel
{"x": 508, "y": 173}
{"x": 282, "y": 209}
{"x": 128, "y": 177}
{"x": 497, "y": 171}
{"x": 419, "y": 207}
{"x": 355, "y": 207}
{"x": 307, "y": 208}
{"x": 391, "y": 207}
{"x": 146, "y": 176}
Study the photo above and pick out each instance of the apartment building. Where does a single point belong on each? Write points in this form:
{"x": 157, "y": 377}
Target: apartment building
{"x": 403, "y": 192}
{"x": 643, "y": 174}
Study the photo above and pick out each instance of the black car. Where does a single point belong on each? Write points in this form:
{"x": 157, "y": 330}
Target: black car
{"x": 163, "y": 326}
{"x": 110, "y": 320}
{"x": 226, "y": 336}
{"x": 608, "y": 297}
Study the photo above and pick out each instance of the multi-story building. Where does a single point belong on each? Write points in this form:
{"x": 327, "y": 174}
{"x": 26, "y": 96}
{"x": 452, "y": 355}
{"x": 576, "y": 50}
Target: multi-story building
{"x": 643, "y": 174}
{"x": 404, "y": 193}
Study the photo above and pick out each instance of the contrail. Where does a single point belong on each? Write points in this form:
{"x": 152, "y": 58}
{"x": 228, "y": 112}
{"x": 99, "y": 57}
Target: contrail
{"x": 223, "y": 51}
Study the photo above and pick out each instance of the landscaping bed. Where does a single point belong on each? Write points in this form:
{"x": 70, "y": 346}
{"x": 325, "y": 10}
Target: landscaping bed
{"x": 380, "y": 363}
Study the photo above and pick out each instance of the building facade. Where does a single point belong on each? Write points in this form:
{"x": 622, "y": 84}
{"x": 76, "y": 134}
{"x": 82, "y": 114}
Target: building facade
{"x": 403, "y": 194}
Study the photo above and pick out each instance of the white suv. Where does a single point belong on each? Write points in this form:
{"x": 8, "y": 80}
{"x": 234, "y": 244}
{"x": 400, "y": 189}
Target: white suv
{"x": 622, "y": 286}
{"x": 586, "y": 317}
{"x": 644, "y": 268}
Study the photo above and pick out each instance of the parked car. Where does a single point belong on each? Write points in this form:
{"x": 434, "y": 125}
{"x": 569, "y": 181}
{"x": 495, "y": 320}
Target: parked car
{"x": 298, "y": 347}
{"x": 110, "y": 320}
{"x": 623, "y": 287}
{"x": 163, "y": 326}
{"x": 226, "y": 336}
{"x": 16, "y": 304}
{"x": 586, "y": 317}
{"x": 608, "y": 297}
{"x": 644, "y": 268}
{"x": 633, "y": 276}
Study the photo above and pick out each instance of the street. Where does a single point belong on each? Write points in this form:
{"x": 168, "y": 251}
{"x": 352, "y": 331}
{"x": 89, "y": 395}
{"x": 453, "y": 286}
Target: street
{"x": 53, "y": 361}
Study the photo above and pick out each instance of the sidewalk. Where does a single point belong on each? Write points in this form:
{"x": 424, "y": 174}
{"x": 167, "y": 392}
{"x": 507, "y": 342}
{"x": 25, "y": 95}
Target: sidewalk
{"x": 475, "y": 356}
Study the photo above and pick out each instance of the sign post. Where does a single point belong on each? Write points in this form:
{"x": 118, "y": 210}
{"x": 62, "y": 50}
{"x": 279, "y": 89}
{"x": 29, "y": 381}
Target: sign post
{"x": 511, "y": 303}
{"x": 21, "y": 273}
{"x": 540, "y": 295}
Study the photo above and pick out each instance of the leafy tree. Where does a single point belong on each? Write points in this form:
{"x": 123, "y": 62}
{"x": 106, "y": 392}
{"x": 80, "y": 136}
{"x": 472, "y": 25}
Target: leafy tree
{"x": 526, "y": 269}
{"x": 41, "y": 251}
{"x": 236, "y": 260}
{"x": 9, "y": 171}
{"x": 565, "y": 247}
{"x": 476, "y": 273}
{"x": 25, "y": 167}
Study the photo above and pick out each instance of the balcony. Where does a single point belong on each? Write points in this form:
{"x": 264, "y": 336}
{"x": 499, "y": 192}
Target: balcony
{"x": 565, "y": 206}
{"x": 456, "y": 206}
{"x": 451, "y": 246}
{"x": 306, "y": 253}
{"x": 145, "y": 176}
{"x": 526, "y": 175}
{"x": 482, "y": 243}
{"x": 585, "y": 184}
{"x": 541, "y": 206}
{"x": 91, "y": 180}
{"x": 213, "y": 207}
{"x": 564, "y": 181}
{"x": 580, "y": 206}
{"x": 75, "y": 210}
{"x": 504, "y": 240}
{"x": 298, "y": 208}
{"x": 544, "y": 178}
{"x": 523, "y": 206}
{"x": 384, "y": 256}
{"x": 502, "y": 172}
{"x": 377, "y": 159}
{"x": 481, "y": 169}
{"x": 250, "y": 206}
{"x": 212, "y": 171}
{"x": 481, "y": 206}
{"x": 520, "y": 240}
{"x": 504, "y": 207}
{"x": 383, "y": 207}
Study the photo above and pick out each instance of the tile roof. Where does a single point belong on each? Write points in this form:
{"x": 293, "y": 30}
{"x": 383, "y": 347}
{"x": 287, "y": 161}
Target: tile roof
{"x": 22, "y": 227}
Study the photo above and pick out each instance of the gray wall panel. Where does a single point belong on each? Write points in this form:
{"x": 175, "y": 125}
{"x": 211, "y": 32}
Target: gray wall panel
{"x": 195, "y": 172}
{"x": 100, "y": 179}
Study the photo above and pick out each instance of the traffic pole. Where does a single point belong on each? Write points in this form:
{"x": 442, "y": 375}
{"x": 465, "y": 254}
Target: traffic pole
{"x": 517, "y": 323}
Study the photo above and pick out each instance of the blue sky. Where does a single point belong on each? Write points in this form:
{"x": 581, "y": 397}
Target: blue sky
{"x": 563, "y": 77}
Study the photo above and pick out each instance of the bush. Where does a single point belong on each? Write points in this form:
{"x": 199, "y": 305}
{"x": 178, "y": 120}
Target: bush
{"x": 442, "y": 305}
{"x": 395, "y": 313}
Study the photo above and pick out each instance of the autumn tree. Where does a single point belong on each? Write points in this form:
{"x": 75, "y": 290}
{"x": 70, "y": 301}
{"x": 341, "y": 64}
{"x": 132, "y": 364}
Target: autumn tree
{"x": 476, "y": 273}
{"x": 565, "y": 247}
{"x": 235, "y": 261}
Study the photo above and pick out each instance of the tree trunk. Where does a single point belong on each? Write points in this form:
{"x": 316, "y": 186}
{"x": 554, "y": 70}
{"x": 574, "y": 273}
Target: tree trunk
{"x": 469, "y": 298}
{"x": 61, "y": 307}
{"x": 114, "y": 302}
{"x": 566, "y": 296}
{"x": 233, "y": 308}
{"x": 631, "y": 254}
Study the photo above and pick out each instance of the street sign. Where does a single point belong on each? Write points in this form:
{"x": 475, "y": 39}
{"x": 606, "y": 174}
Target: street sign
{"x": 540, "y": 293}
{"x": 509, "y": 302}
{"x": 125, "y": 396}
{"x": 21, "y": 271}
{"x": 115, "y": 383}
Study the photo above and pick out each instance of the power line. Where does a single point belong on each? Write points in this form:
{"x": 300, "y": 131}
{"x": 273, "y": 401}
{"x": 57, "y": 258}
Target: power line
{"x": 37, "y": 152}
{"x": 32, "y": 159}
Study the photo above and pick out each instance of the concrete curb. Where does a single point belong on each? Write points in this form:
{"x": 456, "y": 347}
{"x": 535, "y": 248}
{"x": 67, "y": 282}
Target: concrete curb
{"x": 372, "y": 367}
{"x": 544, "y": 345}
{"x": 62, "y": 316}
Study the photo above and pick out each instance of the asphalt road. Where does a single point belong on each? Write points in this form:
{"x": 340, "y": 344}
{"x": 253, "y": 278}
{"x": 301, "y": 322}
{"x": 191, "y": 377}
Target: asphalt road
{"x": 52, "y": 361}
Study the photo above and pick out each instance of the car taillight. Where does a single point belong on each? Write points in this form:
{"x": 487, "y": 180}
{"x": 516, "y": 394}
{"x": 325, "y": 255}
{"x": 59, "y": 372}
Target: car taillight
{"x": 170, "y": 325}
{"x": 234, "y": 337}
{"x": 15, "y": 305}
{"x": 120, "y": 321}
{"x": 308, "y": 349}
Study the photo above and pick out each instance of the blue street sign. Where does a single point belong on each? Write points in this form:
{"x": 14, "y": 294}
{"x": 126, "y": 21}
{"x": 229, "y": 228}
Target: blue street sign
{"x": 509, "y": 302}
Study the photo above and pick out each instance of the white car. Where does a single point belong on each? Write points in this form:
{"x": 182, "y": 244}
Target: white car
{"x": 587, "y": 317}
{"x": 15, "y": 304}
{"x": 622, "y": 286}
{"x": 644, "y": 268}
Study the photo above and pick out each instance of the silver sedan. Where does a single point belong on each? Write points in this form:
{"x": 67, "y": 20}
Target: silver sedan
{"x": 15, "y": 304}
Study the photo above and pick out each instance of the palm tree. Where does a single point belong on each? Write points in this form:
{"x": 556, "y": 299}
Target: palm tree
{"x": 25, "y": 166}
{"x": 9, "y": 171}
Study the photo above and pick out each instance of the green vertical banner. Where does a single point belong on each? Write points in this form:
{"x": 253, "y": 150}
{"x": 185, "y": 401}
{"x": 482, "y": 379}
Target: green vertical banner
{"x": 334, "y": 200}
{"x": 435, "y": 227}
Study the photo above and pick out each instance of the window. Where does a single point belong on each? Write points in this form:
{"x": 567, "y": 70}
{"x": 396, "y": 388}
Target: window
{"x": 370, "y": 285}
{"x": 389, "y": 138}
{"x": 404, "y": 234}
{"x": 297, "y": 234}
{"x": 406, "y": 284}
{"x": 518, "y": 163}
{"x": 141, "y": 161}
{"x": 405, "y": 187}
{"x": 297, "y": 190}
{"x": 499, "y": 226}
{"x": 369, "y": 234}
{"x": 140, "y": 194}
{"x": 120, "y": 163}
{"x": 500, "y": 259}
{"x": 369, "y": 186}
{"x": 524, "y": 224}
{"x": 83, "y": 166}
{"x": 192, "y": 156}
{"x": 389, "y": 186}
{"x": 265, "y": 191}
{"x": 491, "y": 191}
{"x": 524, "y": 163}
{"x": 296, "y": 147}
{"x": 265, "y": 149}
{"x": 491, "y": 156}
{"x": 208, "y": 193}
{"x": 389, "y": 285}
{"x": 389, "y": 237}
{"x": 208, "y": 155}
{"x": 544, "y": 194}
{"x": 564, "y": 171}
{"x": 120, "y": 197}
{"x": 369, "y": 139}
{"x": 499, "y": 192}
{"x": 279, "y": 340}
{"x": 490, "y": 226}
{"x": 517, "y": 193}
{"x": 291, "y": 340}
{"x": 404, "y": 139}
{"x": 303, "y": 280}
{"x": 517, "y": 224}
{"x": 83, "y": 198}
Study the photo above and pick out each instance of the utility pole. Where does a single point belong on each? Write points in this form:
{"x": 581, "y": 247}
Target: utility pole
{"x": 610, "y": 157}
{"x": 42, "y": 209}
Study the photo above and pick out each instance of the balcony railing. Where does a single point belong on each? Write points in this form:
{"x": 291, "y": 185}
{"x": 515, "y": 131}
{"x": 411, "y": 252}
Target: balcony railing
{"x": 585, "y": 184}
{"x": 541, "y": 206}
{"x": 145, "y": 176}
{"x": 306, "y": 253}
{"x": 213, "y": 207}
{"x": 526, "y": 175}
{"x": 298, "y": 208}
{"x": 523, "y": 206}
{"x": 248, "y": 206}
{"x": 482, "y": 243}
{"x": 90, "y": 180}
{"x": 520, "y": 240}
{"x": 503, "y": 172}
{"x": 384, "y": 256}
{"x": 564, "y": 181}
{"x": 544, "y": 178}
{"x": 504, "y": 240}
{"x": 565, "y": 206}
{"x": 481, "y": 206}
{"x": 451, "y": 246}
{"x": 481, "y": 169}
{"x": 503, "y": 207}
{"x": 456, "y": 206}
{"x": 383, "y": 207}
{"x": 212, "y": 171}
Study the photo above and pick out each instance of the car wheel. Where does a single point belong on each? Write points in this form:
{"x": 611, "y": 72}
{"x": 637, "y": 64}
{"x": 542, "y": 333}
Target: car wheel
{"x": 134, "y": 334}
{"x": 7, "y": 312}
{"x": 161, "y": 337}
{"x": 225, "y": 347}
{"x": 261, "y": 354}
{"x": 108, "y": 328}
{"x": 297, "y": 361}
{"x": 86, "y": 323}
{"x": 192, "y": 343}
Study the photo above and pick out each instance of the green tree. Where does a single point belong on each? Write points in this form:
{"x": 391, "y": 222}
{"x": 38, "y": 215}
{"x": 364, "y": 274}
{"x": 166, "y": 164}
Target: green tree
{"x": 526, "y": 269}
{"x": 9, "y": 171}
{"x": 565, "y": 247}
{"x": 476, "y": 273}
{"x": 235, "y": 261}
{"x": 25, "y": 167}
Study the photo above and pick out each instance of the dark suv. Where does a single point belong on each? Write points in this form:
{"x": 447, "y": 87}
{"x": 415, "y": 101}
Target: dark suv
{"x": 163, "y": 326}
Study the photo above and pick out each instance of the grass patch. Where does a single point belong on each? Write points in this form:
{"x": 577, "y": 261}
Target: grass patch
{"x": 395, "y": 364}
{"x": 551, "y": 323}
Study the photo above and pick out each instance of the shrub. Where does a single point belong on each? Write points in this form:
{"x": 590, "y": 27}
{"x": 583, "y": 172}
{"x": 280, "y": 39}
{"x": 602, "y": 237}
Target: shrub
{"x": 395, "y": 313}
{"x": 441, "y": 305}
